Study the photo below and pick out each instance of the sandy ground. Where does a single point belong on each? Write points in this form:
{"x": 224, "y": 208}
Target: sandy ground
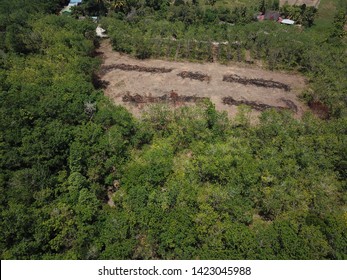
{"x": 157, "y": 84}
{"x": 314, "y": 3}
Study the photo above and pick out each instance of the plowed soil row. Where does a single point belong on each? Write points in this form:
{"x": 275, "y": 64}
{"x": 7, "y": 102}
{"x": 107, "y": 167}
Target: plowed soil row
{"x": 127, "y": 67}
{"x": 173, "y": 97}
{"x": 176, "y": 99}
{"x": 256, "y": 82}
{"x": 194, "y": 76}
{"x": 253, "y": 104}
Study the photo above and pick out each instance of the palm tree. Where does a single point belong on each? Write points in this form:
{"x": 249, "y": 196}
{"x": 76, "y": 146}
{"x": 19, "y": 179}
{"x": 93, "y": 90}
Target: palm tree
{"x": 115, "y": 4}
{"x": 112, "y": 4}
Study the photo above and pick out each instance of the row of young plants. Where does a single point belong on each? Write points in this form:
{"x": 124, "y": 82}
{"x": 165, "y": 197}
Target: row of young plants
{"x": 172, "y": 41}
{"x": 278, "y": 47}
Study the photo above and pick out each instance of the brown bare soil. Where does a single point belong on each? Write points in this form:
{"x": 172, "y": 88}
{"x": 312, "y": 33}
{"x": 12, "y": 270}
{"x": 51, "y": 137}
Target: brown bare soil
{"x": 314, "y": 3}
{"x": 134, "y": 83}
{"x": 319, "y": 109}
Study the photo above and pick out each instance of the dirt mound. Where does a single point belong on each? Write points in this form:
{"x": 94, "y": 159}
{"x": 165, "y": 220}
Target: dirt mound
{"x": 253, "y": 104}
{"x": 320, "y": 109}
{"x": 127, "y": 67}
{"x": 255, "y": 82}
{"x": 172, "y": 97}
{"x": 194, "y": 76}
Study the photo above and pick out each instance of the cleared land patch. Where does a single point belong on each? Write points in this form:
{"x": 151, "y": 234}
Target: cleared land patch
{"x": 135, "y": 83}
{"x": 313, "y": 3}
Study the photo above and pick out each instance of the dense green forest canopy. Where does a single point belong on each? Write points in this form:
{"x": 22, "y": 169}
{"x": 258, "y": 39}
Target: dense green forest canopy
{"x": 81, "y": 178}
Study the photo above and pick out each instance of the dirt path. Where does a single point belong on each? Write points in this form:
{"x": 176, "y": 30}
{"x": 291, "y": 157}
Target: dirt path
{"x": 152, "y": 80}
